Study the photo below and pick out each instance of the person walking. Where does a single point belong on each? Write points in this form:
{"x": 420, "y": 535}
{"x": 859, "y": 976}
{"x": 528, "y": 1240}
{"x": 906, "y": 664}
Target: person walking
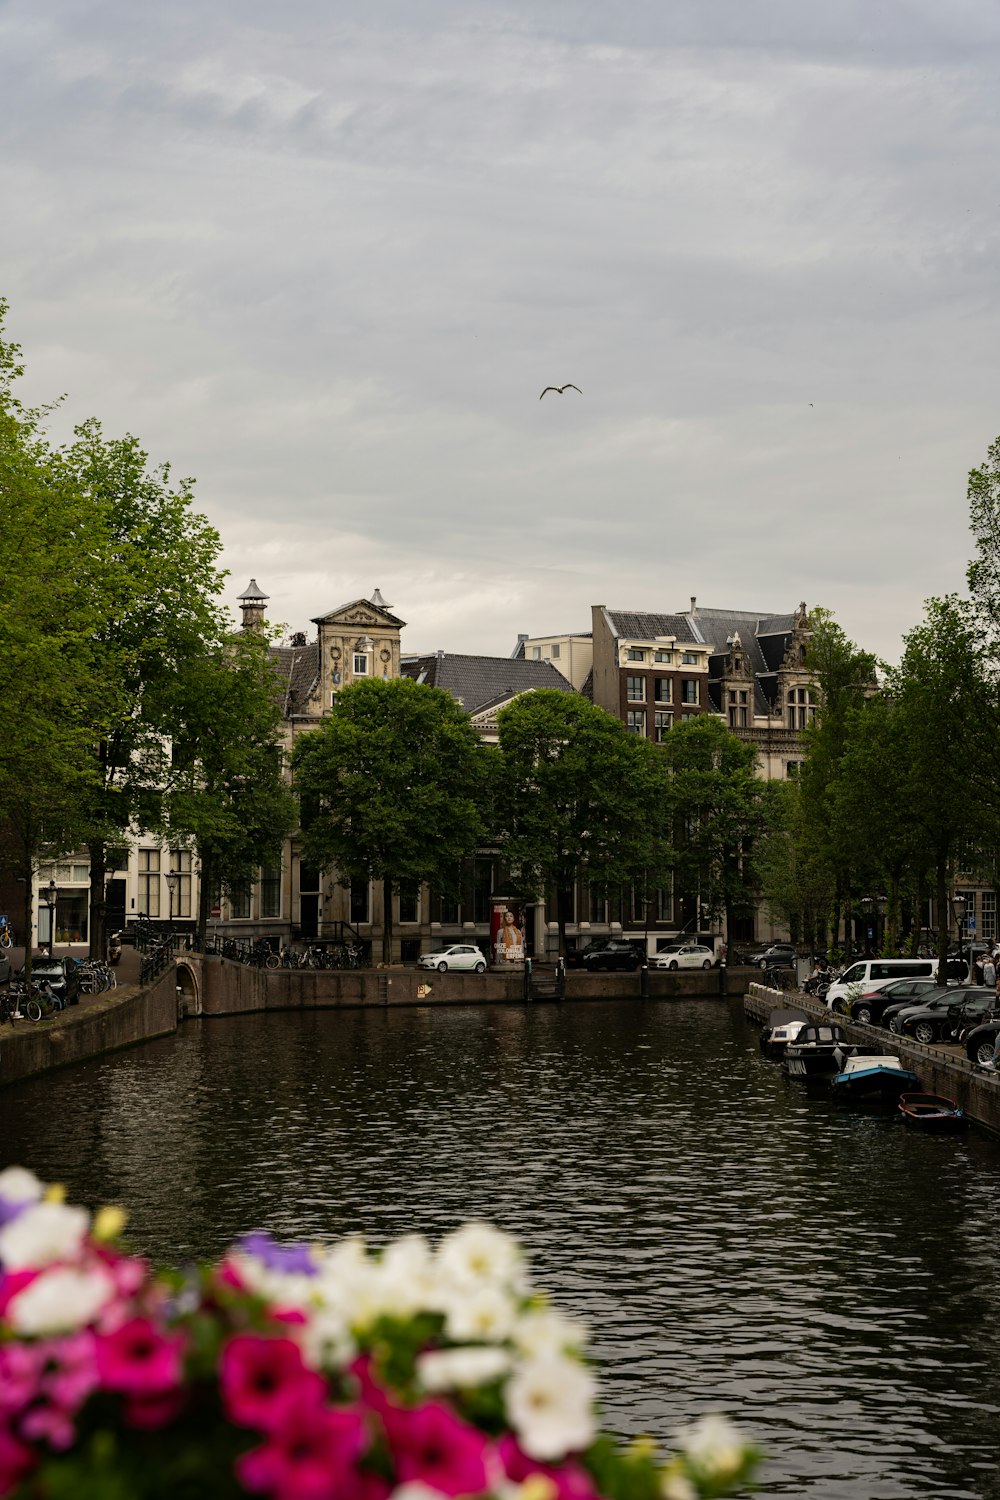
{"x": 989, "y": 971}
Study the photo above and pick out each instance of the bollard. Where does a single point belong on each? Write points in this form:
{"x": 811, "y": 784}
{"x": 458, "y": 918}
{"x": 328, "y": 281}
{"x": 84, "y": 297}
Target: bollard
{"x": 644, "y": 982}
{"x": 527, "y": 979}
{"x": 723, "y": 978}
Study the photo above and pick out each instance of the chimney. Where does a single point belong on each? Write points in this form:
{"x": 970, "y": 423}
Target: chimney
{"x": 694, "y": 605}
{"x": 251, "y": 602}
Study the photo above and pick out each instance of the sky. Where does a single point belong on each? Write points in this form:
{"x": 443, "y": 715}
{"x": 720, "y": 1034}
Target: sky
{"x": 325, "y": 256}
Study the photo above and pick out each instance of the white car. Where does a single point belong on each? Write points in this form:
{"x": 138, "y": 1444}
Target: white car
{"x": 685, "y": 956}
{"x": 458, "y": 956}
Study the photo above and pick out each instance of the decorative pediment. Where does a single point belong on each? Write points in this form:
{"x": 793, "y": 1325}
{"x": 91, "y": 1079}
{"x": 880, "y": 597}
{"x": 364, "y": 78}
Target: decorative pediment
{"x": 794, "y": 659}
{"x": 359, "y": 612}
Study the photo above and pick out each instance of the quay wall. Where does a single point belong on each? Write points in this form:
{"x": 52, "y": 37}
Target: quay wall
{"x": 105, "y": 1024}
{"x": 941, "y": 1070}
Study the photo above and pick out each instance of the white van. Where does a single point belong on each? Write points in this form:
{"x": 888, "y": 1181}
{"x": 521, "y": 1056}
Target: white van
{"x": 872, "y": 973}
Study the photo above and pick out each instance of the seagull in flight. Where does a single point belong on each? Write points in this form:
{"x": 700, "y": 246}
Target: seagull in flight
{"x": 569, "y": 386}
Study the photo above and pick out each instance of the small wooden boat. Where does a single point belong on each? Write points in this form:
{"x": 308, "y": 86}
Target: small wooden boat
{"x": 931, "y": 1112}
{"x": 870, "y": 1073}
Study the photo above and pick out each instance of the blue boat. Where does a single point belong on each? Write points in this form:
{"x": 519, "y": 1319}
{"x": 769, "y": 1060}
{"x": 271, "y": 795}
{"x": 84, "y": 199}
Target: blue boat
{"x": 871, "y": 1074}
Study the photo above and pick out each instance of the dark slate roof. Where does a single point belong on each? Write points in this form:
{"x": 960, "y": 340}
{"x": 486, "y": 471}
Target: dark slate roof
{"x": 644, "y": 627}
{"x": 764, "y": 638}
{"x": 480, "y": 681}
{"x": 587, "y": 689}
{"x": 297, "y": 668}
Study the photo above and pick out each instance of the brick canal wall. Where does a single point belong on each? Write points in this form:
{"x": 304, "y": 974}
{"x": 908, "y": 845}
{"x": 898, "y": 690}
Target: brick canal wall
{"x": 941, "y": 1070}
{"x": 102, "y": 1023}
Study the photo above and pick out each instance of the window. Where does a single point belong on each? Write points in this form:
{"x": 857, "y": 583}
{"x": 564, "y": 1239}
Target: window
{"x": 270, "y": 891}
{"x": 451, "y": 912}
{"x": 597, "y": 903}
{"x": 536, "y": 653}
{"x": 635, "y": 689}
{"x": 555, "y": 650}
{"x": 360, "y": 664}
{"x": 664, "y": 905}
{"x": 180, "y": 865}
{"x": 663, "y": 690}
{"x": 663, "y": 656}
{"x": 989, "y": 931}
{"x": 635, "y": 721}
{"x": 689, "y": 690}
{"x": 239, "y": 900}
{"x": 690, "y": 658}
{"x": 359, "y": 903}
{"x": 635, "y": 653}
{"x": 637, "y": 905}
{"x": 149, "y": 882}
{"x": 308, "y": 877}
{"x": 409, "y": 901}
{"x": 662, "y": 725}
{"x": 792, "y": 768}
{"x": 686, "y": 718}
{"x": 482, "y": 888}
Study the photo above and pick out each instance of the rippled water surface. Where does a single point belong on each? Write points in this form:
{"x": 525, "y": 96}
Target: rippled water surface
{"x": 827, "y": 1278}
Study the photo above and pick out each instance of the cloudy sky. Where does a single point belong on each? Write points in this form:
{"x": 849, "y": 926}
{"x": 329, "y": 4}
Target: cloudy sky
{"x": 324, "y": 256}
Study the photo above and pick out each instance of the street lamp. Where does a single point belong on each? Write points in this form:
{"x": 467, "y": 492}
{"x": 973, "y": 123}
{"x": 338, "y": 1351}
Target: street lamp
{"x": 173, "y": 877}
{"x": 959, "y": 908}
{"x": 49, "y": 897}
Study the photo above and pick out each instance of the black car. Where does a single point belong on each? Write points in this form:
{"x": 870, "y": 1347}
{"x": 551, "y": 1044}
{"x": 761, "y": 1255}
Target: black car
{"x": 777, "y": 956}
{"x": 937, "y": 1000}
{"x": 609, "y": 953}
{"x": 61, "y": 974}
{"x": 930, "y": 1024}
{"x": 980, "y": 1041}
{"x": 869, "y": 1009}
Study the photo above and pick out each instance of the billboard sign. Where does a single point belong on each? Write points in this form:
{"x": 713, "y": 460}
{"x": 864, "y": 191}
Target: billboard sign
{"x": 507, "y": 931}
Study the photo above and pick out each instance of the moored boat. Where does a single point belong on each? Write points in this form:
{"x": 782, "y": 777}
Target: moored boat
{"x": 782, "y": 1027}
{"x": 868, "y": 1073}
{"x": 816, "y": 1052}
{"x": 931, "y": 1112}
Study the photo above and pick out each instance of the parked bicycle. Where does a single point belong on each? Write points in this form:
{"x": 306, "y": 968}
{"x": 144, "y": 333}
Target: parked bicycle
{"x": 20, "y": 1004}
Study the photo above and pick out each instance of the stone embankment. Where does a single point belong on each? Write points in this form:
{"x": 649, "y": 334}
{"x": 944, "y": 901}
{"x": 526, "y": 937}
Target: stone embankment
{"x": 942, "y": 1068}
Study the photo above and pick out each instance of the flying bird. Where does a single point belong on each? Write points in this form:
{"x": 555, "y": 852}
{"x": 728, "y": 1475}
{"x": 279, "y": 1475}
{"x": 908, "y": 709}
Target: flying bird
{"x": 569, "y": 386}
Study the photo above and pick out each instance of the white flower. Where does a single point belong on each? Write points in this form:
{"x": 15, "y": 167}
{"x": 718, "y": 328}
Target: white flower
{"x": 549, "y": 1403}
{"x": 485, "y": 1314}
{"x": 461, "y": 1369}
{"x": 478, "y": 1253}
{"x": 415, "y": 1491}
{"x": 677, "y": 1486}
{"x": 326, "y": 1340}
{"x": 60, "y": 1300}
{"x": 714, "y": 1446}
{"x": 43, "y": 1233}
{"x": 542, "y": 1330}
{"x": 18, "y": 1185}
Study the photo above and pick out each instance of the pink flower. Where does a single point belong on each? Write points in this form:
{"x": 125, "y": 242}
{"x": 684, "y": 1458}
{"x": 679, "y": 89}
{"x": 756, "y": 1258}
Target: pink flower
{"x": 311, "y": 1455}
{"x": 433, "y": 1446}
{"x": 16, "y": 1460}
{"x": 149, "y": 1412}
{"x": 140, "y": 1360}
{"x": 20, "y": 1376}
{"x": 12, "y": 1282}
{"x": 258, "y": 1376}
{"x": 71, "y": 1372}
{"x": 572, "y": 1482}
{"x": 46, "y": 1422}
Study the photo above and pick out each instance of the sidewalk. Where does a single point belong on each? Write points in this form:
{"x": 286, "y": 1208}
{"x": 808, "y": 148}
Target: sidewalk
{"x": 126, "y": 974}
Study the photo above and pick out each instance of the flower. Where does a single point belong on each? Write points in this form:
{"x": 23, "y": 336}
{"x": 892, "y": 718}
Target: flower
{"x": 542, "y": 1330}
{"x": 259, "y": 1375}
{"x": 140, "y": 1360}
{"x": 16, "y": 1460}
{"x": 568, "y": 1482}
{"x": 60, "y": 1300}
{"x": 309, "y": 1456}
{"x": 44, "y": 1232}
{"x": 485, "y": 1312}
{"x": 549, "y": 1402}
{"x": 714, "y": 1447}
{"x": 18, "y": 1188}
{"x": 431, "y": 1445}
{"x": 461, "y": 1369}
{"x": 478, "y": 1253}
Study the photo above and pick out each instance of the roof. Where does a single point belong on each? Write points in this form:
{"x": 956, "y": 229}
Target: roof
{"x": 633, "y": 625}
{"x": 297, "y": 670}
{"x": 380, "y": 609}
{"x": 478, "y": 682}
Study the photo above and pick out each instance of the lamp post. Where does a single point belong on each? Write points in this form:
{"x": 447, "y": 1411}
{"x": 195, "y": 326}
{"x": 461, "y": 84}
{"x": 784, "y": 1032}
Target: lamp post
{"x": 172, "y": 877}
{"x": 958, "y": 907}
{"x": 882, "y": 902}
{"x": 49, "y": 897}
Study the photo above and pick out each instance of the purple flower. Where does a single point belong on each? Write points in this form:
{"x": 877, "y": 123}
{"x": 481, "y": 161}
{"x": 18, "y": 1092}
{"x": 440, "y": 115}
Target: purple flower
{"x": 291, "y": 1259}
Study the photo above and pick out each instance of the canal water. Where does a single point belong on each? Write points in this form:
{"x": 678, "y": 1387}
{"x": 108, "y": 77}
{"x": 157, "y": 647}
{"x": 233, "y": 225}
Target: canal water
{"x": 827, "y": 1278}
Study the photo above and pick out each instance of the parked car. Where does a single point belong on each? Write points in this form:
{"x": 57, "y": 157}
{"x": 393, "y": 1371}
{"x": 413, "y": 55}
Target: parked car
{"x": 61, "y": 973}
{"x": 980, "y": 1041}
{"x": 684, "y": 956}
{"x": 460, "y": 956}
{"x": 937, "y": 1001}
{"x": 870, "y": 1008}
{"x": 930, "y": 1025}
{"x": 777, "y": 956}
{"x": 610, "y": 953}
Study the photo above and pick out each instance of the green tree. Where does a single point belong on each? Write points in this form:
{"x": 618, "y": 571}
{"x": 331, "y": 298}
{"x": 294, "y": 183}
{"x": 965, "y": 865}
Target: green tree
{"x": 797, "y": 880}
{"x": 160, "y": 615}
{"x": 225, "y": 791}
{"x": 391, "y": 786}
{"x": 577, "y": 793}
{"x": 719, "y": 814}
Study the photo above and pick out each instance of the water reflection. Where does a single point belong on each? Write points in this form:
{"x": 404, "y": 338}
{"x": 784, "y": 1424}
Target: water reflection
{"x": 733, "y": 1242}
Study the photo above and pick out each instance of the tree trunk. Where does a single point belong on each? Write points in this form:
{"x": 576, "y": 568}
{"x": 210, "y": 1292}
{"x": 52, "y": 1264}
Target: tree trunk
{"x": 98, "y": 898}
{"x": 204, "y": 897}
{"x": 941, "y": 882}
{"x": 28, "y": 918}
{"x": 387, "y": 920}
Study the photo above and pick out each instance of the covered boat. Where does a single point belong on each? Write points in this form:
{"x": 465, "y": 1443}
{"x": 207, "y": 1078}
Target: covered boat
{"x": 781, "y": 1027}
{"x": 931, "y": 1112}
{"x": 814, "y": 1051}
{"x": 869, "y": 1073}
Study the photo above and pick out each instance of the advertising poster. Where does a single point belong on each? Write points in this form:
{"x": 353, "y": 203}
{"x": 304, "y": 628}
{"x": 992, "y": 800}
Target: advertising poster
{"x": 507, "y": 932}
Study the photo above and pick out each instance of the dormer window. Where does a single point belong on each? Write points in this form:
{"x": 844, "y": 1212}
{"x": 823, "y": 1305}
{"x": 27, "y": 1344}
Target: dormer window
{"x": 635, "y": 653}
{"x": 690, "y": 659}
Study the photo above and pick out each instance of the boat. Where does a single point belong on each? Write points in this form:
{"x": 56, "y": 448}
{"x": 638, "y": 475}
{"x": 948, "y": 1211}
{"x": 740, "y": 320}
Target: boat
{"x": 868, "y": 1073}
{"x": 814, "y": 1051}
{"x": 781, "y": 1027}
{"x": 931, "y": 1112}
